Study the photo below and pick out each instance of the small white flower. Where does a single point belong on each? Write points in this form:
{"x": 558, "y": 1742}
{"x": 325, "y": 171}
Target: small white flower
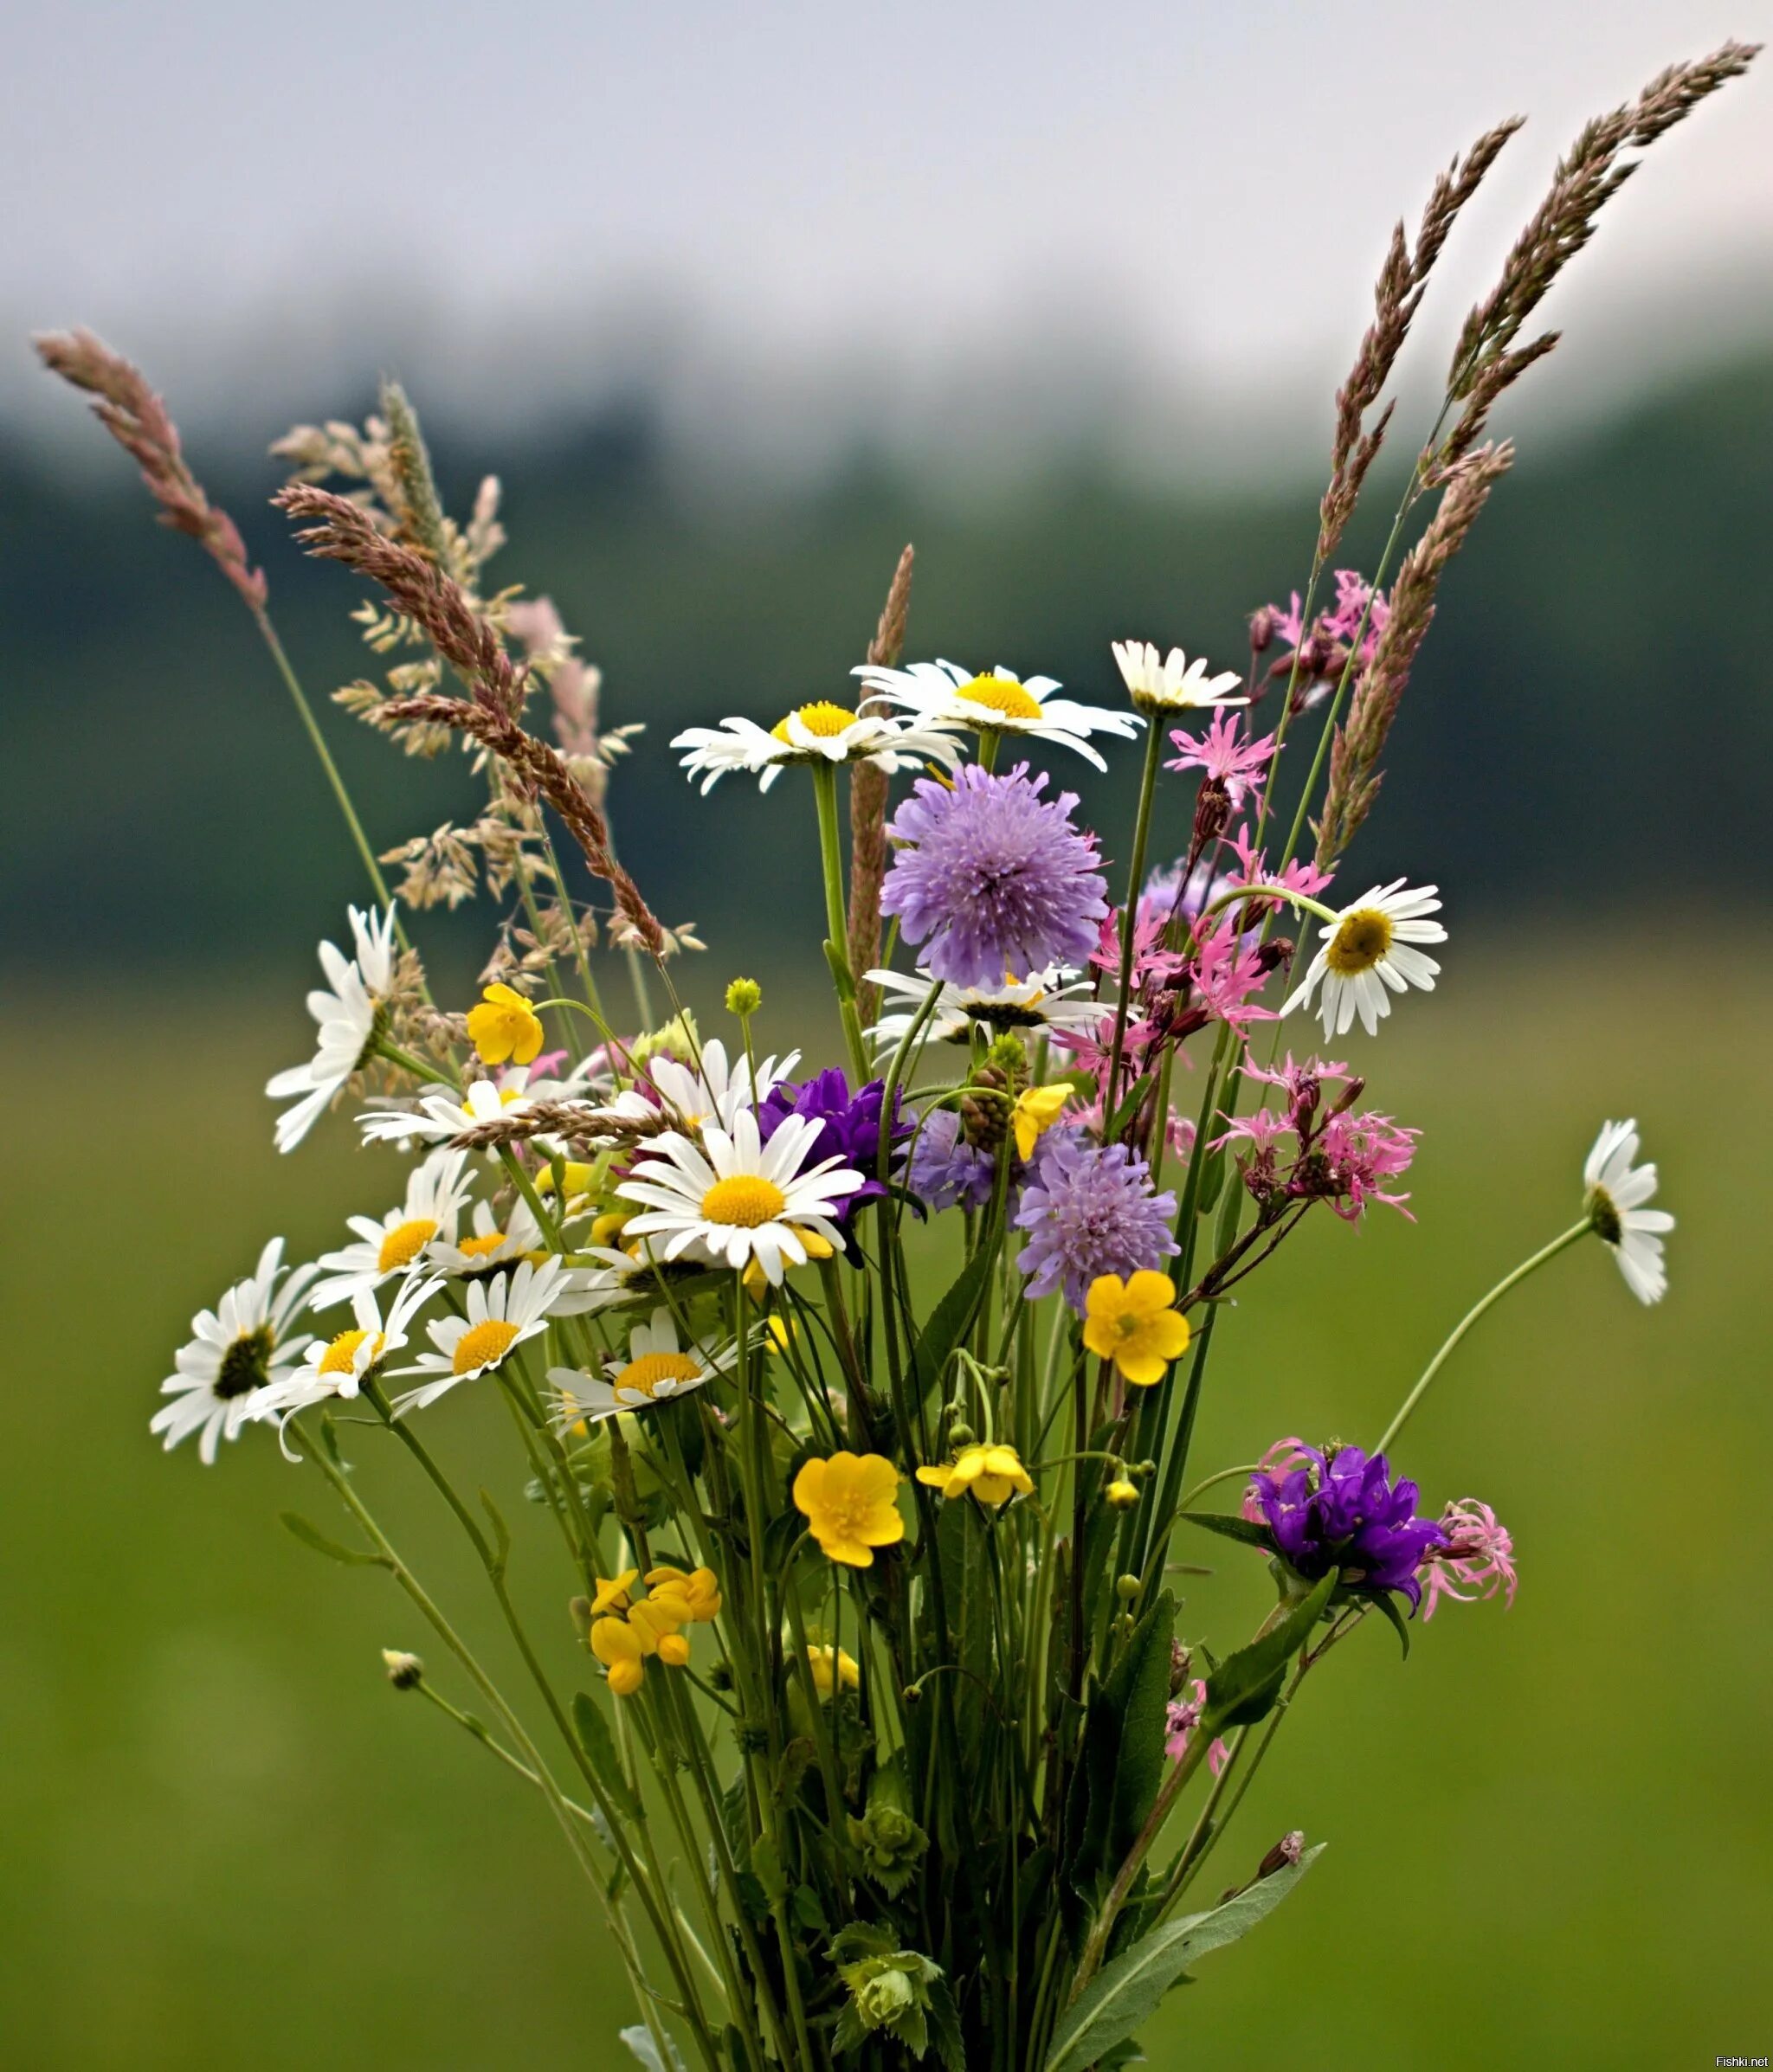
{"x": 435, "y": 1196}
{"x": 997, "y": 702}
{"x": 439, "y": 1117}
{"x": 347, "y": 1016}
{"x": 1617, "y": 1191}
{"x": 736, "y": 1198}
{"x": 1056, "y": 999}
{"x": 718, "y": 1091}
{"x": 491, "y": 1245}
{"x": 1368, "y": 947}
{"x": 336, "y": 1367}
{"x": 1171, "y": 683}
{"x": 819, "y": 732}
{"x": 237, "y": 1351}
{"x": 605, "y": 1277}
{"x": 502, "y": 1314}
{"x": 658, "y": 1365}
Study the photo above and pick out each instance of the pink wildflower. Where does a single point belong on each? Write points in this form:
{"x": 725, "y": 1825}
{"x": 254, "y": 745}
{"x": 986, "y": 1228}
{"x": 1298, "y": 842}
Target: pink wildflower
{"x": 1361, "y": 1151}
{"x": 1479, "y": 1554}
{"x": 1150, "y": 958}
{"x": 1295, "y": 876}
{"x": 1303, "y": 1085}
{"x": 1182, "y": 1717}
{"x": 1227, "y": 972}
{"x": 1225, "y": 753}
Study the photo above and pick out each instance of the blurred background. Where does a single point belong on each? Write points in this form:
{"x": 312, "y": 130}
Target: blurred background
{"x": 735, "y": 303}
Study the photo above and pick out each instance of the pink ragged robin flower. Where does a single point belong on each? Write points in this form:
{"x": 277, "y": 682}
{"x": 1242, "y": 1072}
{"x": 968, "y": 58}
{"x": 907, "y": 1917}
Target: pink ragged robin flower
{"x": 1181, "y": 1720}
{"x": 1480, "y": 1554}
{"x": 1225, "y": 755}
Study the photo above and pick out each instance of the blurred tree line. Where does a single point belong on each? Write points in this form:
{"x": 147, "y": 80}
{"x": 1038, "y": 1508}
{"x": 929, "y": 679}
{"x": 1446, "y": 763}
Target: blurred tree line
{"x": 1588, "y": 728}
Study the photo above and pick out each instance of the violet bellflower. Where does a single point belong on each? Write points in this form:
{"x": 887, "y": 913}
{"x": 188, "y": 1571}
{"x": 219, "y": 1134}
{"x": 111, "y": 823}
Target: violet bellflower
{"x": 992, "y": 879}
{"x": 849, "y": 1126}
{"x": 1340, "y": 1510}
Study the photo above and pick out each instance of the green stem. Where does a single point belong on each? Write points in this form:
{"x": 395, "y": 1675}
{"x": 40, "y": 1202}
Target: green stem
{"x": 836, "y": 922}
{"x": 1129, "y": 912}
{"x": 1470, "y": 1317}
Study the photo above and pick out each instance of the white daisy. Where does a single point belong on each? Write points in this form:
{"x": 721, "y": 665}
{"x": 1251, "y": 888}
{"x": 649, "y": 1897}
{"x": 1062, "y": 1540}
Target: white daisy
{"x": 348, "y": 1018}
{"x": 1368, "y": 947}
{"x": 435, "y": 1196}
{"x": 1055, "y": 999}
{"x": 1617, "y": 1192}
{"x": 492, "y": 1243}
{"x": 439, "y": 1117}
{"x": 945, "y": 694}
{"x": 502, "y": 1313}
{"x": 1171, "y": 683}
{"x": 718, "y": 1091}
{"x": 237, "y": 1351}
{"x": 819, "y": 732}
{"x": 736, "y": 1198}
{"x": 336, "y": 1367}
{"x": 602, "y": 1278}
{"x": 657, "y": 1367}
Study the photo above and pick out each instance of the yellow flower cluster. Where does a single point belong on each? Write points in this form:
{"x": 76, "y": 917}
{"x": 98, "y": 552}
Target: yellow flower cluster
{"x": 627, "y": 1631}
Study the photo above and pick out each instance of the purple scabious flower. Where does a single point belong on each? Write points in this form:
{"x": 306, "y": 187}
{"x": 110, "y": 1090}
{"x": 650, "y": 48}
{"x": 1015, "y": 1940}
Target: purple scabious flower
{"x": 849, "y": 1124}
{"x": 993, "y": 877}
{"x": 1338, "y": 1510}
{"x": 947, "y": 1171}
{"x": 1089, "y": 1210}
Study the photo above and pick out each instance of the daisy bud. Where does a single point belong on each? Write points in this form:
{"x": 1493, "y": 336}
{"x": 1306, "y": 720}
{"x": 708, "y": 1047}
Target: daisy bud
{"x": 405, "y": 1672}
{"x": 744, "y": 997}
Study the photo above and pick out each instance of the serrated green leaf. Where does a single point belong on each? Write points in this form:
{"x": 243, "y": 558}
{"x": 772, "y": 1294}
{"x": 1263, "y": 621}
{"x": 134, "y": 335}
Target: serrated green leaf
{"x": 599, "y": 1745}
{"x": 1244, "y": 1687}
{"x": 1127, "y": 1992}
{"x": 310, "y": 1536}
{"x": 949, "y": 1320}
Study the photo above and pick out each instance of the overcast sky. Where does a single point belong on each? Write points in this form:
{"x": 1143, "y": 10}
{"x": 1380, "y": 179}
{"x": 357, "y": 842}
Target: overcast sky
{"x": 936, "y": 214}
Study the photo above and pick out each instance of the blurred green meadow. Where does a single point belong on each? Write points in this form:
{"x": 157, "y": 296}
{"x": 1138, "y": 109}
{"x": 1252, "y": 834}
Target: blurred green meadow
{"x": 228, "y": 1841}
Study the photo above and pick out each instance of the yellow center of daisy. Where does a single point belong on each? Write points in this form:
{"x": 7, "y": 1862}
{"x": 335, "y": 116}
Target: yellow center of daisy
{"x": 643, "y": 1376}
{"x": 822, "y": 717}
{"x": 482, "y": 1344}
{"x": 340, "y": 1357}
{"x": 1360, "y": 941}
{"x": 479, "y": 1248}
{"x": 1000, "y": 696}
{"x": 747, "y": 1198}
{"x": 404, "y": 1244}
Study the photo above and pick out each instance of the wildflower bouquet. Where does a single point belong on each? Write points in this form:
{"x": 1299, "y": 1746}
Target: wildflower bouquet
{"x": 860, "y": 1399}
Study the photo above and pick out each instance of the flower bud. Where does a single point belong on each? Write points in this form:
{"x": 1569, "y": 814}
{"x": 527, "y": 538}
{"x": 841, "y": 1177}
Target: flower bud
{"x": 1127, "y": 1587}
{"x": 1287, "y": 1850}
{"x": 744, "y": 997}
{"x": 1122, "y": 1494}
{"x": 405, "y": 1672}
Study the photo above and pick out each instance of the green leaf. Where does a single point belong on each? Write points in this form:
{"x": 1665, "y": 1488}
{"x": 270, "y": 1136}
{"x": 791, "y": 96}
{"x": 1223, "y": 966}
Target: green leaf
{"x": 1139, "y": 1691}
{"x": 1127, "y": 1992}
{"x": 501, "y": 1534}
{"x": 1244, "y": 1687}
{"x": 1128, "y": 1107}
{"x": 950, "y": 1319}
{"x": 1232, "y": 1528}
{"x": 599, "y": 1745}
{"x": 310, "y": 1536}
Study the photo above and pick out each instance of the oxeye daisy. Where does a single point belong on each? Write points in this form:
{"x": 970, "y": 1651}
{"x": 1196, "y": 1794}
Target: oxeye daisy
{"x": 1056, "y": 999}
{"x": 435, "y": 1196}
{"x": 997, "y": 702}
{"x": 719, "y": 1090}
{"x": 236, "y": 1352}
{"x": 1159, "y": 684}
{"x": 992, "y": 877}
{"x": 350, "y": 1012}
{"x": 439, "y": 1117}
{"x": 502, "y": 1314}
{"x": 819, "y": 732}
{"x": 658, "y": 1367}
{"x": 491, "y": 1243}
{"x": 737, "y": 1199}
{"x": 1617, "y": 1191}
{"x": 339, "y": 1366}
{"x": 1368, "y": 946}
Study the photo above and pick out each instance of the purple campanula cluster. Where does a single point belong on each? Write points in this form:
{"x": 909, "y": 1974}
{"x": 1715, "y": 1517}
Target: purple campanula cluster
{"x": 992, "y": 879}
{"x": 1090, "y": 1210}
{"x": 1339, "y": 1510}
{"x": 850, "y": 1124}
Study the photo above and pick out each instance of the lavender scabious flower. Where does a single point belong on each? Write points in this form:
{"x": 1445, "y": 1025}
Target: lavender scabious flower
{"x": 1090, "y": 1210}
{"x": 946, "y": 1171}
{"x": 993, "y": 877}
{"x": 849, "y": 1124}
{"x": 1341, "y": 1510}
